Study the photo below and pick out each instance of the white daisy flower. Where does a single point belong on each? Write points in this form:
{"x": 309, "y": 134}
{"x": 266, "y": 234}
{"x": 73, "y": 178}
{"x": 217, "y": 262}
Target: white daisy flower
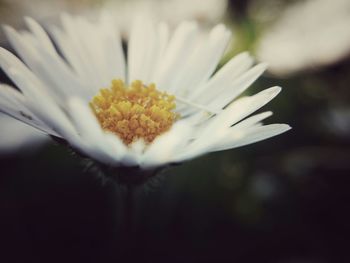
{"x": 308, "y": 35}
{"x": 107, "y": 107}
{"x": 206, "y": 12}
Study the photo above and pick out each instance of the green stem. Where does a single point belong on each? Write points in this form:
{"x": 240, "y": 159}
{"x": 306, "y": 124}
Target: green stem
{"x": 129, "y": 209}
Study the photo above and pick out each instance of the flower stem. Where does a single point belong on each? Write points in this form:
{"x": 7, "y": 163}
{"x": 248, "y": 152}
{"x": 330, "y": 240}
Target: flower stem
{"x": 129, "y": 220}
{"x": 129, "y": 209}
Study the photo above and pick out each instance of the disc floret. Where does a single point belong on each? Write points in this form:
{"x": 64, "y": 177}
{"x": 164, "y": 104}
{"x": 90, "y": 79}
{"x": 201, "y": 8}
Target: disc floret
{"x": 134, "y": 112}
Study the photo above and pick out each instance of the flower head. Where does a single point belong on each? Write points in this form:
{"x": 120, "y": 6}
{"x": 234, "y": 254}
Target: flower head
{"x": 161, "y": 105}
{"x": 135, "y": 112}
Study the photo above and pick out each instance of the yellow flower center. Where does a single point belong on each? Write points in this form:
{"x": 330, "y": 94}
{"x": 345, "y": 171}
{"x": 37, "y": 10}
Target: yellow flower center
{"x": 134, "y": 112}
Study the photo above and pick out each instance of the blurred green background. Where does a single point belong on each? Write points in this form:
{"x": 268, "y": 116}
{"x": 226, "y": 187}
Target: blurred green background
{"x": 284, "y": 200}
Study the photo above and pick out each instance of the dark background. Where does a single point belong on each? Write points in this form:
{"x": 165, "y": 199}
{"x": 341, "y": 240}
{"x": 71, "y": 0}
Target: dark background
{"x": 284, "y": 200}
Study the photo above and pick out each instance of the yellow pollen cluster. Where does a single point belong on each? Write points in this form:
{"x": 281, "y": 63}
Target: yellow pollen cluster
{"x": 134, "y": 112}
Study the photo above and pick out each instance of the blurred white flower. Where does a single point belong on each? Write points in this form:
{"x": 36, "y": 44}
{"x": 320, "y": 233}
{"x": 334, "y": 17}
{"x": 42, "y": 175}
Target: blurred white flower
{"x": 17, "y": 137}
{"x": 130, "y": 123}
{"x": 207, "y": 12}
{"x": 12, "y": 11}
{"x": 309, "y": 34}
{"x": 42, "y": 9}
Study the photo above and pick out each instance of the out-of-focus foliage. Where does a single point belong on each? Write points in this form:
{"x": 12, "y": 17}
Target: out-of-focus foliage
{"x": 282, "y": 200}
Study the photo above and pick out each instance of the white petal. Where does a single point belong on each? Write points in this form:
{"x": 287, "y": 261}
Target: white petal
{"x": 164, "y": 147}
{"x": 236, "y": 139}
{"x": 98, "y": 144}
{"x": 16, "y": 137}
{"x": 237, "y": 111}
{"x": 135, "y": 151}
{"x": 216, "y": 128}
{"x": 93, "y": 49}
{"x": 92, "y": 42}
{"x": 71, "y": 52}
{"x": 252, "y": 120}
{"x": 181, "y": 45}
{"x": 163, "y": 39}
{"x": 75, "y": 35}
{"x": 13, "y": 104}
{"x": 202, "y": 63}
{"x": 222, "y": 133}
{"x": 142, "y": 50}
{"x": 112, "y": 47}
{"x": 244, "y": 137}
{"x": 237, "y": 87}
{"x": 39, "y": 102}
{"x": 127, "y": 158}
{"x": 44, "y": 61}
{"x": 40, "y": 34}
{"x": 223, "y": 78}
{"x": 11, "y": 98}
